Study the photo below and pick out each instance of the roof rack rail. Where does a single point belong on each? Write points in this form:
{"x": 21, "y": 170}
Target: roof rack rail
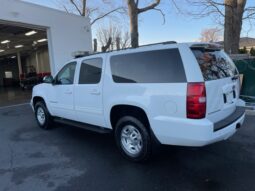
{"x": 79, "y": 54}
{"x": 158, "y": 43}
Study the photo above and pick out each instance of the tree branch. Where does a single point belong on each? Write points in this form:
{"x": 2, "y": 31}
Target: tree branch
{"x": 76, "y": 6}
{"x": 66, "y": 9}
{"x": 161, "y": 12}
{"x": 149, "y": 7}
{"x": 106, "y": 14}
{"x": 250, "y": 13}
{"x": 137, "y": 3}
{"x": 213, "y": 4}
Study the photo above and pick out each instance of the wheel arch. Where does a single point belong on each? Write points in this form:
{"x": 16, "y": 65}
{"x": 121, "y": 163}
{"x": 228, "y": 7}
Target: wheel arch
{"x": 121, "y": 110}
{"x": 38, "y": 99}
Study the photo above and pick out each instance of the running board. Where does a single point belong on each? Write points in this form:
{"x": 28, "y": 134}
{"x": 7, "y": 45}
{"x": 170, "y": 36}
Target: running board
{"x": 85, "y": 126}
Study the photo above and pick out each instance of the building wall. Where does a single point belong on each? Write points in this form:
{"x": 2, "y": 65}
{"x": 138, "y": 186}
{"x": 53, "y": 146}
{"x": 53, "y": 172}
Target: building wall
{"x": 67, "y": 33}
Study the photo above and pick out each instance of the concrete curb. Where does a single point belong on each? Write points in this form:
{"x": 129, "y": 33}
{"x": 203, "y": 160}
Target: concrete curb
{"x": 250, "y": 112}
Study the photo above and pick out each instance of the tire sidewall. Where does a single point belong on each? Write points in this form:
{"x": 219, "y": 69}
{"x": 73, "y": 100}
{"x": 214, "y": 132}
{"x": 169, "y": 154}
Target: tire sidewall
{"x": 146, "y": 149}
{"x": 46, "y": 124}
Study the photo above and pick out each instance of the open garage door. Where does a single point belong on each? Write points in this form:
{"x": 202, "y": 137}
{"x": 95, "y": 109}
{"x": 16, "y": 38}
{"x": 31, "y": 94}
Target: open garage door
{"x": 24, "y": 61}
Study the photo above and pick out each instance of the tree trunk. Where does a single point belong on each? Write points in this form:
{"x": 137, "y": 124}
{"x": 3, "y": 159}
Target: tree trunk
{"x": 118, "y": 43}
{"x": 107, "y": 46}
{"x": 133, "y": 15}
{"x": 84, "y": 6}
{"x": 234, "y": 10}
{"x": 95, "y": 45}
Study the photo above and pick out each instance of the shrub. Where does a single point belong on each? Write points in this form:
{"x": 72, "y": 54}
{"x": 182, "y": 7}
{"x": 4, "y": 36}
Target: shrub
{"x": 252, "y": 51}
{"x": 243, "y": 50}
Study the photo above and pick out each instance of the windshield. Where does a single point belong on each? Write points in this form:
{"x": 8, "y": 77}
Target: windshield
{"x": 214, "y": 64}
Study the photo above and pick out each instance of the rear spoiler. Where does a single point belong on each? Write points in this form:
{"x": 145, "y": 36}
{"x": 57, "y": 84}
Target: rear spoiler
{"x": 207, "y": 46}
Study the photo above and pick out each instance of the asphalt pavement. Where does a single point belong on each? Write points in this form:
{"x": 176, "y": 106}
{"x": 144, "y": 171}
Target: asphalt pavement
{"x": 71, "y": 159}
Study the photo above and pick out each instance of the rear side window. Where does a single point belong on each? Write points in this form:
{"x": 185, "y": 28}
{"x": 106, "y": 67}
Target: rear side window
{"x": 160, "y": 66}
{"x": 91, "y": 71}
{"x": 214, "y": 64}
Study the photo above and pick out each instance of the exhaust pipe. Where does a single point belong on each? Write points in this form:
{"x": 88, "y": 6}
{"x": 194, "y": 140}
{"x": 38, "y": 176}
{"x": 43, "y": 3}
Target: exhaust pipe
{"x": 238, "y": 125}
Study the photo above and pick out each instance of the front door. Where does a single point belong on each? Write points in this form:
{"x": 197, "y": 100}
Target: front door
{"x": 88, "y": 92}
{"x": 62, "y": 98}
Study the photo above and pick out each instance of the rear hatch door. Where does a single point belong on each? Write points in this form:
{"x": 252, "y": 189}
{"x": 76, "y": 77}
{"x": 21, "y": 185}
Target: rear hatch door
{"x": 221, "y": 80}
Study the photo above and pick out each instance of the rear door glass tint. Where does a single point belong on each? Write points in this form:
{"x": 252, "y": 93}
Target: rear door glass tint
{"x": 159, "y": 66}
{"x": 214, "y": 64}
{"x": 91, "y": 71}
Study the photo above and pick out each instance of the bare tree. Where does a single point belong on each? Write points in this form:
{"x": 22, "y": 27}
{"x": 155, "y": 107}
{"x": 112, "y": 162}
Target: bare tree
{"x": 119, "y": 39}
{"x": 82, "y": 8}
{"x": 229, "y": 13}
{"x": 211, "y": 35}
{"x": 125, "y": 40}
{"x": 133, "y": 12}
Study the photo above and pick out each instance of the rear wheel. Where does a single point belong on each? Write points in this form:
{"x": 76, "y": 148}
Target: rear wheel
{"x": 42, "y": 115}
{"x": 133, "y": 139}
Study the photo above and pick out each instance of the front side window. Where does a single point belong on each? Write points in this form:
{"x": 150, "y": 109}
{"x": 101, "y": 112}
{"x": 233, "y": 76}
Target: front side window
{"x": 91, "y": 71}
{"x": 159, "y": 66}
{"x": 214, "y": 64}
{"x": 66, "y": 75}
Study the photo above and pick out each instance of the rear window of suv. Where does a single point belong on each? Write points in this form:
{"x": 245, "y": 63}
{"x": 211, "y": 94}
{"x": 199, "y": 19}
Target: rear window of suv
{"x": 159, "y": 66}
{"x": 214, "y": 63}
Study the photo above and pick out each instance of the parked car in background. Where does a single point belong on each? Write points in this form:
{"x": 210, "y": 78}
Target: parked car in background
{"x": 29, "y": 80}
{"x": 183, "y": 94}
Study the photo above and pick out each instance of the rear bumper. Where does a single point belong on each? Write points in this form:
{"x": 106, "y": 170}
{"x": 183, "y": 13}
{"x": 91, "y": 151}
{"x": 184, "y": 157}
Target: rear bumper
{"x": 230, "y": 119}
{"x": 187, "y": 132}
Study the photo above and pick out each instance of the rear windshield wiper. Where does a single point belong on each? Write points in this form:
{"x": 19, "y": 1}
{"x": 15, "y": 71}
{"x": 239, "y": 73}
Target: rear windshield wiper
{"x": 235, "y": 77}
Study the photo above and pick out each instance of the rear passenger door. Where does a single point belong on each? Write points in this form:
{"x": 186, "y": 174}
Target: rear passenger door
{"x": 88, "y": 92}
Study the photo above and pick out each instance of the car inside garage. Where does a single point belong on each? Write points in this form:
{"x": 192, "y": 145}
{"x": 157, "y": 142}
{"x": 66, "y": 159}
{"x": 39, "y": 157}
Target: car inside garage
{"x": 24, "y": 61}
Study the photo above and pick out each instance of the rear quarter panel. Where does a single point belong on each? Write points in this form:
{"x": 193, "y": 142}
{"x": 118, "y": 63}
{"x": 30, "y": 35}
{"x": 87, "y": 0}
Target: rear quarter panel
{"x": 156, "y": 99}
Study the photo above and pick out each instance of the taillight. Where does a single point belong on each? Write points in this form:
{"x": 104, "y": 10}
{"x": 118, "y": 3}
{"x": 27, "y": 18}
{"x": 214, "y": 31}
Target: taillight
{"x": 196, "y": 100}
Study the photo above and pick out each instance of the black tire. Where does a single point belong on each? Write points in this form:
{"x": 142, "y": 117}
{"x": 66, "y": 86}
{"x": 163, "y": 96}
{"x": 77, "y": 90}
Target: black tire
{"x": 47, "y": 124}
{"x": 145, "y": 147}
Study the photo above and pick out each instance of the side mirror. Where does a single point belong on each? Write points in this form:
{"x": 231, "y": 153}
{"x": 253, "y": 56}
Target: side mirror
{"x": 48, "y": 79}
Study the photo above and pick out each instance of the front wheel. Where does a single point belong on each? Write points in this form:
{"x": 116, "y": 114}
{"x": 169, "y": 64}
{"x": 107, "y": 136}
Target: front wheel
{"x": 133, "y": 139}
{"x": 42, "y": 115}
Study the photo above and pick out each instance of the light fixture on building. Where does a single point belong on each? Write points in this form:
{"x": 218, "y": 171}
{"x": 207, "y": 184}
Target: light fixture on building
{"x": 30, "y": 33}
{"x": 5, "y": 42}
{"x": 13, "y": 57}
{"x": 19, "y": 46}
{"x": 1, "y": 50}
{"x": 42, "y": 40}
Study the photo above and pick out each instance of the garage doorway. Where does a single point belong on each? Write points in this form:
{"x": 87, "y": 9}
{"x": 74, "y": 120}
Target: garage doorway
{"x": 24, "y": 61}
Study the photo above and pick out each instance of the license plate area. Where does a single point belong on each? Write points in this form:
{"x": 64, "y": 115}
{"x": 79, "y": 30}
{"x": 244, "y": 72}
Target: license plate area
{"x": 229, "y": 97}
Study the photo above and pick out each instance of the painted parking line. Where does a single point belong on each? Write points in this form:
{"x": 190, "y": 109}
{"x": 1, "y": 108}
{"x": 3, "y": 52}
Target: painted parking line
{"x": 11, "y": 106}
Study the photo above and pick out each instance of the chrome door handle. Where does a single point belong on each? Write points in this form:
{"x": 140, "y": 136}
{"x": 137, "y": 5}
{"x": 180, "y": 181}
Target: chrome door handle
{"x": 95, "y": 92}
{"x": 68, "y": 92}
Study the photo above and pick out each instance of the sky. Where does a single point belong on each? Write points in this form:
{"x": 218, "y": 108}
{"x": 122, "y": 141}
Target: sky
{"x": 178, "y": 27}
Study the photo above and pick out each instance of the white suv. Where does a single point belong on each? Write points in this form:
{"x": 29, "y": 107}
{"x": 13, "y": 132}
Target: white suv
{"x": 175, "y": 94}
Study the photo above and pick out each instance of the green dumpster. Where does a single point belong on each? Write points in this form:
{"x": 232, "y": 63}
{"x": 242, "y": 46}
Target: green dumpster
{"x": 247, "y": 68}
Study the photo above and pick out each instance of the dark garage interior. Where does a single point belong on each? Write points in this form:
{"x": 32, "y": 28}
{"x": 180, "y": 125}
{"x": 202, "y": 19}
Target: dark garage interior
{"x": 24, "y": 61}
